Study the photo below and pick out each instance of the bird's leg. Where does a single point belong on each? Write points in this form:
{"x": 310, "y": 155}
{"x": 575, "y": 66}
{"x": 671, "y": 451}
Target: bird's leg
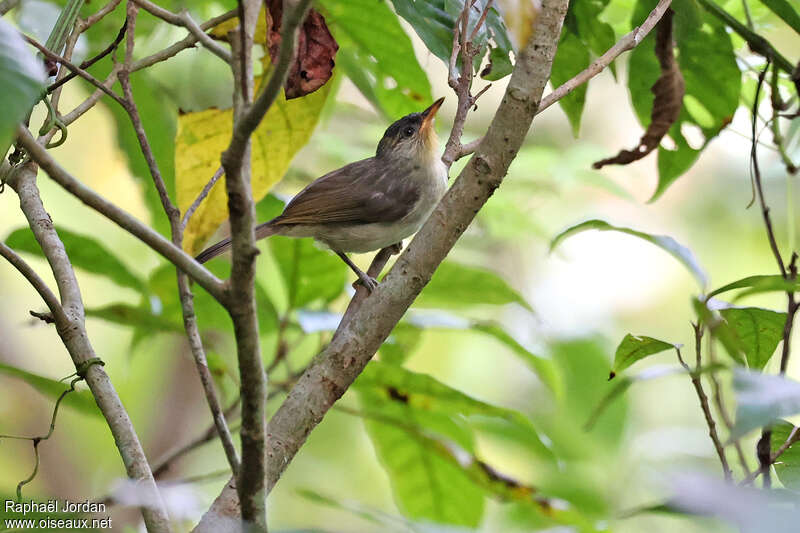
{"x": 369, "y": 282}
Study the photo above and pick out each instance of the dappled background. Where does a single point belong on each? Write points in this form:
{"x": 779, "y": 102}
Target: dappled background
{"x": 537, "y": 338}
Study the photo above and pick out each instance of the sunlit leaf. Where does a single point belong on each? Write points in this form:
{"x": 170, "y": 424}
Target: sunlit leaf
{"x": 202, "y": 137}
{"x": 309, "y": 273}
{"x": 666, "y": 243}
{"x": 761, "y": 399}
{"x": 635, "y": 348}
{"x": 21, "y": 82}
{"x": 84, "y": 252}
{"x": 377, "y": 55}
{"x": 457, "y": 285}
{"x": 759, "y": 330}
{"x": 787, "y": 466}
{"x": 80, "y": 400}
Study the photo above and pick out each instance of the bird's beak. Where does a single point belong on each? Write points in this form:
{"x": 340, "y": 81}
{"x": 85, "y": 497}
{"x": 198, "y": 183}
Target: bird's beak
{"x": 430, "y": 113}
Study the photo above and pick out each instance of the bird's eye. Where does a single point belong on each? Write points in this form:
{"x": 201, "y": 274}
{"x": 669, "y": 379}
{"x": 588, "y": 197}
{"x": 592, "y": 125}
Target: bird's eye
{"x": 408, "y": 132}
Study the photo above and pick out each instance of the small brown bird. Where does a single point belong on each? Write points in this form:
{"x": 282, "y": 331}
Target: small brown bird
{"x": 369, "y": 204}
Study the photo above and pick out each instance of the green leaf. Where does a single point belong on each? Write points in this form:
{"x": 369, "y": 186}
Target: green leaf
{"x": 635, "y": 348}
{"x": 720, "y": 330}
{"x": 706, "y": 59}
{"x": 457, "y": 285}
{"x": 787, "y": 466}
{"x": 571, "y": 58}
{"x": 434, "y": 20}
{"x": 759, "y": 330}
{"x": 140, "y": 317}
{"x": 426, "y": 485}
{"x": 21, "y": 82}
{"x": 377, "y": 55}
{"x": 543, "y": 367}
{"x": 761, "y": 399}
{"x": 422, "y": 392}
{"x": 425, "y": 402}
{"x": 785, "y": 11}
{"x": 159, "y": 117}
{"x": 309, "y": 273}
{"x": 84, "y": 252}
{"x": 81, "y": 401}
{"x": 668, "y": 244}
{"x": 757, "y": 284}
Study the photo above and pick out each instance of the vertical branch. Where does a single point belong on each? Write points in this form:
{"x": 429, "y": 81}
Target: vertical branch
{"x": 173, "y": 214}
{"x": 764, "y": 445}
{"x": 72, "y": 330}
{"x": 701, "y": 396}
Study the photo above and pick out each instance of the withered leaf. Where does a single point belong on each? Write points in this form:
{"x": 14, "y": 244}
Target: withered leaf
{"x": 316, "y": 50}
{"x": 668, "y": 90}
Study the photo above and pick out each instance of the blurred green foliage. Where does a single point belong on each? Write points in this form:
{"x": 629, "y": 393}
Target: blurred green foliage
{"x": 474, "y": 415}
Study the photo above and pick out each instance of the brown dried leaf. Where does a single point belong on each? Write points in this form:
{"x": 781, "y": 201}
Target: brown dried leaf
{"x": 316, "y": 50}
{"x": 668, "y": 90}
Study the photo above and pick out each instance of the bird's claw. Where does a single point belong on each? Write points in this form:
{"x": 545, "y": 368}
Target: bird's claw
{"x": 367, "y": 281}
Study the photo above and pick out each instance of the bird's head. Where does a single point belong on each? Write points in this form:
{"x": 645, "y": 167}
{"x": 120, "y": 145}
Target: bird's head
{"x": 412, "y": 136}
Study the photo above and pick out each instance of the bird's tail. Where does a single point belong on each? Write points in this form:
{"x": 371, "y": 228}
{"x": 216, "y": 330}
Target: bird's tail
{"x": 262, "y": 230}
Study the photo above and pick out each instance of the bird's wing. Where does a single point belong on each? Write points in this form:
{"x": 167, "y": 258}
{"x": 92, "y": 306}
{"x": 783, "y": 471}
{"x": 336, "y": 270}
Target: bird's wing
{"x": 361, "y": 192}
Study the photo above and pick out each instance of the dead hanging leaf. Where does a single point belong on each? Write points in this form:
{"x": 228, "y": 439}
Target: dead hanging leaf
{"x": 668, "y": 90}
{"x": 316, "y": 50}
{"x": 316, "y": 47}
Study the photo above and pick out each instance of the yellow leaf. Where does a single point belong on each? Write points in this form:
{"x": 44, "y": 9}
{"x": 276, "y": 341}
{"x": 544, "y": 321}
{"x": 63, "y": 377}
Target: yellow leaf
{"x": 220, "y": 31}
{"x": 201, "y": 138}
{"x": 520, "y": 16}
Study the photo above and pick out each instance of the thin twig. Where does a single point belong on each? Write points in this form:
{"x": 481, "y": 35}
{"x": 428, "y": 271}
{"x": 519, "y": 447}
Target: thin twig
{"x": 73, "y": 335}
{"x": 126, "y": 221}
{"x": 162, "y": 465}
{"x": 200, "y": 197}
{"x": 184, "y": 19}
{"x": 91, "y": 61}
{"x": 187, "y": 42}
{"x": 173, "y": 215}
{"x": 77, "y": 70}
{"x": 628, "y": 42}
{"x": 36, "y": 282}
{"x": 701, "y": 396}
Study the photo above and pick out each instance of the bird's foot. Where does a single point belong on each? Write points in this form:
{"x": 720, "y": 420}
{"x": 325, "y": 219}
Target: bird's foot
{"x": 367, "y": 281}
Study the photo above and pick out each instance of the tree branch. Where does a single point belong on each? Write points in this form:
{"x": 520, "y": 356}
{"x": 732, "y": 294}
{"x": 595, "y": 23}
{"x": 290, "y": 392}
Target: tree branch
{"x": 358, "y": 338}
{"x": 36, "y": 282}
{"x": 184, "y": 19}
{"x": 79, "y": 71}
{"x": 173, "y": 215}
{"x": 241, "y": 304}
{"x": 628, "y": 42}
{"x": 701, "y": 396}
{"x": 172, "y": 253}
{"x": 72, "y": 330}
